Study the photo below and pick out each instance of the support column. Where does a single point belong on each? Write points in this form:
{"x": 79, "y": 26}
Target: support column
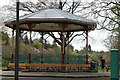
{"x": 42, "y": 47}
{"x": 29, "y": 58}
{"x": 68, "y": 48}
{"x": 30, "y": 51}
{"x": 12, "y": 47}
{"x": 63, "y": 49}
{"x": 68, "y": 54}
{"x": 86, "y": 47}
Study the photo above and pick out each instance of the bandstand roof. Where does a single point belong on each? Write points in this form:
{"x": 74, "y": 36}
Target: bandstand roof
{"x": 52, "y": 20}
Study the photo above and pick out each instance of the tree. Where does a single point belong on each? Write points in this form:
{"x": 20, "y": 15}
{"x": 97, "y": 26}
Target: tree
{"x": 5, "y": 38}
{"x": 6, "y": 52}
{"x": 54, "y": 44}
{"x": 37, "y": 44}
{"x": 107, "y": 15}
{"x": 70, "y": 47}
{"x": 76, "y": 51}
{"x": 24, "y": 49}
{"x": 94, "y": 57}
{"x": 26, "y": 40}
{"x": 5, "y": 45}
{"x": 47, "y": 45}
{"x": 111, "y": 42}
{"x": 89, "y": 48}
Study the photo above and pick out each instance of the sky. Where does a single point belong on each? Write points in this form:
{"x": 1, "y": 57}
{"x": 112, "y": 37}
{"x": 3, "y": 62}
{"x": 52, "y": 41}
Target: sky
{"x": 96, "y": 41}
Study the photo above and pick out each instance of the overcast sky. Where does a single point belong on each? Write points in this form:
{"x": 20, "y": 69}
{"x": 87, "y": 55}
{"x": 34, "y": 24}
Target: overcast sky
{"x": 96, "y": 43}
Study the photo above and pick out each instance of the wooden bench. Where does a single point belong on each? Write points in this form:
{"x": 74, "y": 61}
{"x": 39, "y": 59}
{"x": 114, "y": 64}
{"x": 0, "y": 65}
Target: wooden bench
{"x": 54, "y": 67}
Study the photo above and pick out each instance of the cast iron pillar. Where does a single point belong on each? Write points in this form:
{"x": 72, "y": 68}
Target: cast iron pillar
{"x": 12, "y": 47}
{"x": 86, "y": 47}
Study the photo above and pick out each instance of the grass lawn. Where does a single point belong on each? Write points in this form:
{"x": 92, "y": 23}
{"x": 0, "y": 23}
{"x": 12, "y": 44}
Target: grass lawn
{"x": 3, "y": 68}
{"x": 100, "y": 70}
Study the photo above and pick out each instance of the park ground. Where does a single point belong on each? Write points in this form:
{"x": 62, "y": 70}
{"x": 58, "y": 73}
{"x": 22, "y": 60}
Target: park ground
{"x": 51, "y": 78}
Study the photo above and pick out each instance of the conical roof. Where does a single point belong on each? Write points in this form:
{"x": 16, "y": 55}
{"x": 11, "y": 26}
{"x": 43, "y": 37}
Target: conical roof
{"x": 52, "y": 20}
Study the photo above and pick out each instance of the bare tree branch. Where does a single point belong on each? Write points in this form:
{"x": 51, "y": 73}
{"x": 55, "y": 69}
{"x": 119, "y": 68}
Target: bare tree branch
{"x": 73, "y": 38}
{"x": 56, "y": 39}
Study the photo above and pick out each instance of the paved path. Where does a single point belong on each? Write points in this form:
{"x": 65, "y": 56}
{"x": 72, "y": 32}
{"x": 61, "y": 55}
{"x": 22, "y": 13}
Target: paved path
{"x": 57, "y": 74}
{"x": 51, "y": 78}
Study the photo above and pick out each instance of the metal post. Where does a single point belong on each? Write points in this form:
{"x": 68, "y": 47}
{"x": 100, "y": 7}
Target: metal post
{"x": 67, "y": 54}
{"x": 63, "y": 49}
{"x": 42, "y": 48}
{"x": 12, "y": 47}
{"x": 17, "y": 43}
{"x": 114, "y": 64}
{"x": 68, "y": 34}
{"x": 86, "y": 47}
{"x": 29, "y": 58}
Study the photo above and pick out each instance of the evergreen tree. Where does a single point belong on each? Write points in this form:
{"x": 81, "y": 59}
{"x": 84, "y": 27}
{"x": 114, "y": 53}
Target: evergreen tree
{"x": 26, "y": 40}
{"x": 5, "y": 38}
{"x": 89, "y": 48}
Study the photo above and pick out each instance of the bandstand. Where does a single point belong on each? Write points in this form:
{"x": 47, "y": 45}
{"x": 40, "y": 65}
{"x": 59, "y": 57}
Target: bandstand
{"x": 52, "y": 20}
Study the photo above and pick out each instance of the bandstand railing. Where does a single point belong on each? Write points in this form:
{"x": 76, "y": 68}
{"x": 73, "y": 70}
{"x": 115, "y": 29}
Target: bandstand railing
{"x": 52, "y": 58}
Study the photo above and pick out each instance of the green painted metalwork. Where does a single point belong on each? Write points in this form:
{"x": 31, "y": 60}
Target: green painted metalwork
{"x": 114, "y": 64}
{"x": 75, "y": 59}
{"x": 52, "y": 58}
{"x": 23, "y": 58}
{"x": 36, "y": 58}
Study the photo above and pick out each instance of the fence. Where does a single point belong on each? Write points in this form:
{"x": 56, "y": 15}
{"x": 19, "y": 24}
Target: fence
{"x": 52, "y": 58}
